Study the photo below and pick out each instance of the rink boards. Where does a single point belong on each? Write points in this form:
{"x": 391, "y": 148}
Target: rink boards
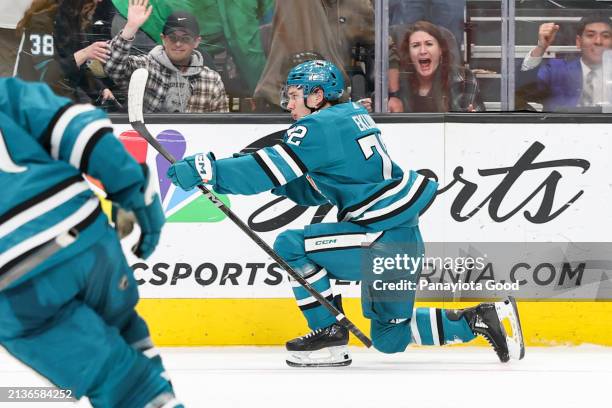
{"x": 208, "y": 284}
{"x": 193, "y": 322}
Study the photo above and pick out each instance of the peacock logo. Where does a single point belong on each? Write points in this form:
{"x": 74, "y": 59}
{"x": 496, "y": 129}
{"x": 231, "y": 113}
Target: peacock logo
{"x": 178, "y": 205}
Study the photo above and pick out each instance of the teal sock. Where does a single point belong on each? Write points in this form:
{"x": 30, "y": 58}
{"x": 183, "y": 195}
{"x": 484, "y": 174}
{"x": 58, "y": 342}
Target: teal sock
{"x": 431, "y": 326}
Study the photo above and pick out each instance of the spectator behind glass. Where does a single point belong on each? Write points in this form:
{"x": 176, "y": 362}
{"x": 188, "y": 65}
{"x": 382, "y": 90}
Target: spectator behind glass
{"x": 445, "y": 13}
{"x": 230, "y": 31}
{"x": 178, "y": 80}
{"x": 36, "y": 55}
{"x": 430, "y": 81}
{"x": 72, "y": 22}
{"x": 563, "y": 84}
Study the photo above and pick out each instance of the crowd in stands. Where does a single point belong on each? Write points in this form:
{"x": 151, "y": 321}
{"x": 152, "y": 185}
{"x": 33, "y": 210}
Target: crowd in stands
{"x": 221, "y": 56}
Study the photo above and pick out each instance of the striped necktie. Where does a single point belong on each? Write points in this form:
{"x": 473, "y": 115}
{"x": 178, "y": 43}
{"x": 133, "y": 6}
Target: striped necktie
{"x": 587, "y": 92}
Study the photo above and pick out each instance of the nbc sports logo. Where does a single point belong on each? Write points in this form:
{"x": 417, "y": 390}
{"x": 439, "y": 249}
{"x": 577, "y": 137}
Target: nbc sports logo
{"x": 178, "y": 205}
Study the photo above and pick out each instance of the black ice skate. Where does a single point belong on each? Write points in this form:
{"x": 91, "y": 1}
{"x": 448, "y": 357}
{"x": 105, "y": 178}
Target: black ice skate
{"x": 325, "y": 347}
{"x": 331, "y": 341}
{"x": 487, "y": 320}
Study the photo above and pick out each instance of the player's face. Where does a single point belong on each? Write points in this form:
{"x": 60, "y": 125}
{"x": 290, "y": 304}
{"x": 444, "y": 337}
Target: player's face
{"x": 296, "y": 103}
{"x": 179, "y": 46}
{"x": 595, "y": 39}
{"x": 425, "y": 54}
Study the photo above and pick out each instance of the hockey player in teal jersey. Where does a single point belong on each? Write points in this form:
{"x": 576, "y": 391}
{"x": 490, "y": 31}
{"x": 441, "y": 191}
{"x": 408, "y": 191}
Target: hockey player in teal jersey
{"x": 334, "y": 153}
{"x": 67, "y": 294}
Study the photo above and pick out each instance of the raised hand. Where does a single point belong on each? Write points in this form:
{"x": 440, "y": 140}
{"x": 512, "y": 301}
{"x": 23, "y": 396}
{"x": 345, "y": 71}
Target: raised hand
{"x": 546, "y": 36}
{"x": 138, "y": 13}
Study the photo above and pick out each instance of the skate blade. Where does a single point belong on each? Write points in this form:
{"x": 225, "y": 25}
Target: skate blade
{"x": 508, "y": 310}
{"x": 337, "y": 364}
{"x": 336, "y": 357}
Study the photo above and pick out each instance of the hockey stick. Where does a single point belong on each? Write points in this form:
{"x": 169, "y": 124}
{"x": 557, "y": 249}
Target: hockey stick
{"x": 136, "y": 91}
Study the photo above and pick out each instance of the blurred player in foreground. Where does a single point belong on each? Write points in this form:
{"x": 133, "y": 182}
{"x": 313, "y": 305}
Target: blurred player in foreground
{"x": 334, "y": 153}
{"x": 67, "y": 294}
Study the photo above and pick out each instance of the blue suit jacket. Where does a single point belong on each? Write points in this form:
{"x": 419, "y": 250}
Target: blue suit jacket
{"x": 559, "y": 83}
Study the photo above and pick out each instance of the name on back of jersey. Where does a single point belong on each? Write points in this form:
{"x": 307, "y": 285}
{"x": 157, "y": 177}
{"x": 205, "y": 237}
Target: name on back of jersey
{"x": 364, "y": 122}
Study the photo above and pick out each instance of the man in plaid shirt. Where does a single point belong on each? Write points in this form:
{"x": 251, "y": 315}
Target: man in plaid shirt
{"x": 178, "y": 80}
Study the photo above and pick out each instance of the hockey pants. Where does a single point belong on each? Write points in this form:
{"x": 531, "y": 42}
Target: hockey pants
{"x": 346, "y": 251}
{"x": 75, "y": 324}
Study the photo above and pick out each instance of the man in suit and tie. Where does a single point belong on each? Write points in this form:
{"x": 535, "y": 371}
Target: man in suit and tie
{"x": 565, "y": 84}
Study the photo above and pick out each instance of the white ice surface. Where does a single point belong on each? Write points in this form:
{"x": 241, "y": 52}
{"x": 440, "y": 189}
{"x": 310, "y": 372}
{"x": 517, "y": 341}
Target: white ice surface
{"x": 419, "y": 378}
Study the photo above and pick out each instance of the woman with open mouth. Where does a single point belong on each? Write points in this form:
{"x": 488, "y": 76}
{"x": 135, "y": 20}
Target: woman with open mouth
{"x": 430, "y": 80}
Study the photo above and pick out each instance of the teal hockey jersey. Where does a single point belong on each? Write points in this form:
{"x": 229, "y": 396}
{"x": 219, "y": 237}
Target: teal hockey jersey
{"x": 335, "y": 155}
{"x": 47, "y": 211}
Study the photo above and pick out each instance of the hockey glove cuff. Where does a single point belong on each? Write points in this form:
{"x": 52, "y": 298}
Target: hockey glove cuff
{"x": 193, "y": 170}
{"x": 141, "y": 199}
{"x": 151, "y": 219}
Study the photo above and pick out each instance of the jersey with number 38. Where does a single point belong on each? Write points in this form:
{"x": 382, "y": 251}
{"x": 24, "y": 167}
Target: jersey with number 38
{"x": 335, "y": 155}
{"x": 36, "y": 57}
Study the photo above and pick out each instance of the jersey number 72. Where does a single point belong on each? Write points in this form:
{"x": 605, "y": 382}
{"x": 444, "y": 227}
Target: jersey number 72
{"x": 371, "y": 143}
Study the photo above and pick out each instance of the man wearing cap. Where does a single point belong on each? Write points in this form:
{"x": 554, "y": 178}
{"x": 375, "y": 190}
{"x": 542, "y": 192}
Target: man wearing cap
{"x": 178, "y": 80}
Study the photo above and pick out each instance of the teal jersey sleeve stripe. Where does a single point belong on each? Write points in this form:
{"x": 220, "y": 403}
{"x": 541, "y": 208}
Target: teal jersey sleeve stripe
{"x": 68, "y": 145}
{"x": 45, "y": 139}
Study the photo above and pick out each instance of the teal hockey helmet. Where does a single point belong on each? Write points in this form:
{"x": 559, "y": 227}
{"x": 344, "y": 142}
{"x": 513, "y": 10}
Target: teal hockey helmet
{"x": 311, "y": 75}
